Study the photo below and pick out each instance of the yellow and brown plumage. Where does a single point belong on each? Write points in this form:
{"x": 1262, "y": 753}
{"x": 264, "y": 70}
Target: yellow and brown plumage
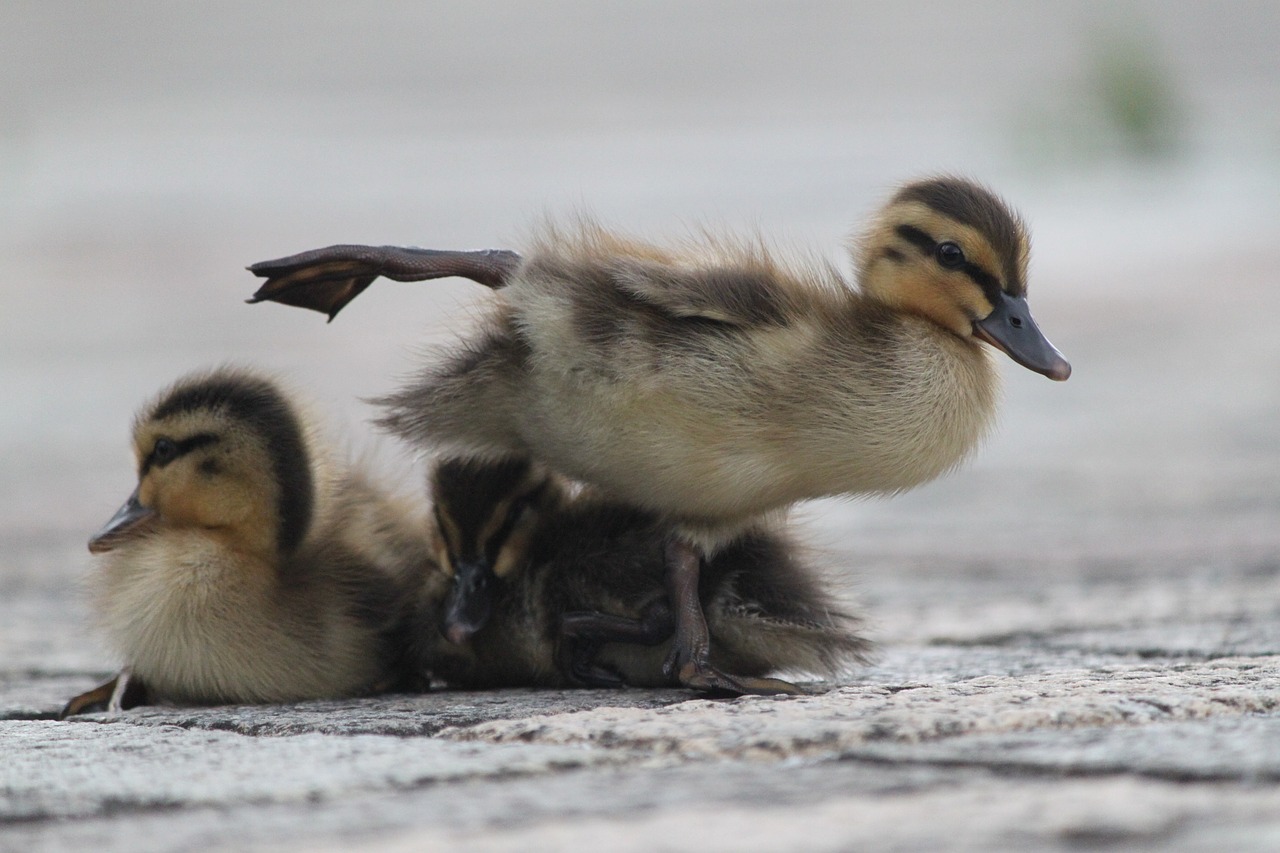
{"x": 578, "y": 594}
{"x": 711, "y": 383}
{"x": 251, "y": 564}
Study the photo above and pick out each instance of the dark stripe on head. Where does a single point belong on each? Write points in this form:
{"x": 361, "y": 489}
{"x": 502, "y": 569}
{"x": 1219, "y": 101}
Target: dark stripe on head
{"x": 180, "y": 448}
{"x": 470, "y": 490}
{"x": 990, "y": 284}
{"x": 515, "y": 510}
{"x": 980, "y": 209}
{"x": 917, "y": 238}
{"x": 452, "y": 547}
{"x": 259, "y": 404}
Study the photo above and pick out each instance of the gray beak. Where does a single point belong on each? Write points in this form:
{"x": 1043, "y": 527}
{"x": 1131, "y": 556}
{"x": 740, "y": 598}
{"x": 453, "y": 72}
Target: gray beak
{"x": 1010, "y": 329}
{"x": 126, "y": 523}
{"x": 470, "y": 600}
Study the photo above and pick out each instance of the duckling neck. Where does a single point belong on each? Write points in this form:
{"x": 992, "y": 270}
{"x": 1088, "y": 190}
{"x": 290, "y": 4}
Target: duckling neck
{"x": 909, "y": 403}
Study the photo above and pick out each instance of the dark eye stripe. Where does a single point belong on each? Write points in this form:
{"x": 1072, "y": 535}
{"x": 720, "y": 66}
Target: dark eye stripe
{"x": 989, "y": 283}
{"x": 182, "y": 448}
{"x": 446, "y": 531}
{"x": 917, "y": 238}
{"x": 499, "y": 538}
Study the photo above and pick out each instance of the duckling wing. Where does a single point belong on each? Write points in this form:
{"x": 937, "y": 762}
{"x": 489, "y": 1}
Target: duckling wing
{"x": 737, "y": 296}
{"x": 325, "y": 280}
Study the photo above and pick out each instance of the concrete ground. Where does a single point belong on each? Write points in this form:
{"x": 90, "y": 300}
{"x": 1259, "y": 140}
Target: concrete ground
{"x": 1078, "y": 642}
{"x": 1077, "y": 633}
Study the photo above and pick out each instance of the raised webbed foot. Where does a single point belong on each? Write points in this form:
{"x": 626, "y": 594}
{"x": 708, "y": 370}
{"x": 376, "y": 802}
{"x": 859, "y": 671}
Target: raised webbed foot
{"x": 325, "y": 280}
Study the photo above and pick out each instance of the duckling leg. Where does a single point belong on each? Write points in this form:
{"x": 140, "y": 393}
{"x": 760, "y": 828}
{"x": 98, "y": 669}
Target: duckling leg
{"x": 584, "y": 632}
{"x": 690, "y": 658}
{"x": 118, "y": 694}
{"x": 325, "y": 280}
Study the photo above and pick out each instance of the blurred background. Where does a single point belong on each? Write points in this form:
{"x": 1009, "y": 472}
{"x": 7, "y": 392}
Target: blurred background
{"x": 150, "y": 150}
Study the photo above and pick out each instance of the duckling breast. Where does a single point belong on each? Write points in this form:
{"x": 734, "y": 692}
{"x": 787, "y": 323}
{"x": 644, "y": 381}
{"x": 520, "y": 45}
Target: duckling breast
{"x": 198, "y": 623}
{"x": 906, "y": 411}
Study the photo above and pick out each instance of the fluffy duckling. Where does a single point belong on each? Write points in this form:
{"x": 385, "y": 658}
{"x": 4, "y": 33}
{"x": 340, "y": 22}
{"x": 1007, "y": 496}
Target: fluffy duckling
{"x": 576, "y": 594}
{"x": 249, "y": 564}
{"x": 713, "y": 384}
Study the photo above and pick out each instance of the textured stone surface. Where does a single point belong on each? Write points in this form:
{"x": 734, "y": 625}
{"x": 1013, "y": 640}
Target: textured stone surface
{"x": 402, "y": 716}
{"x": 815, "y": 726}
{"x": 1231, "y": 747}
{"x": 983, "y": 740}
{"x": 996, "y": 814}
{"x": 70, "y": 770}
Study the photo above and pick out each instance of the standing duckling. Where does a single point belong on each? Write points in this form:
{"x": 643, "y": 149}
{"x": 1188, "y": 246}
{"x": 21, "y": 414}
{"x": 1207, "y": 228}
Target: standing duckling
{"x": 577, "y": 592}
{"x": 250, "y": 565}
{"x": 713, "y": 384}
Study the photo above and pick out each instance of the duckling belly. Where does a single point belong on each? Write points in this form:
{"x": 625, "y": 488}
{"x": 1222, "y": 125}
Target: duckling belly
{"x": 651, "y": 448}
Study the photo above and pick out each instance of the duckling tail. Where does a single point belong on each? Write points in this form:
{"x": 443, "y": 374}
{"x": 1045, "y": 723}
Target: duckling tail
{"x": 771, "y": 611}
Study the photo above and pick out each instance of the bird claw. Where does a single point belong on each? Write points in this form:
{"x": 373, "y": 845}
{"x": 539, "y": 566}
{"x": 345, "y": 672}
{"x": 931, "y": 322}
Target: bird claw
{"x": 119, "y": 694}
{"x": 705, "y": 678}
{"x": 90, "y": 701}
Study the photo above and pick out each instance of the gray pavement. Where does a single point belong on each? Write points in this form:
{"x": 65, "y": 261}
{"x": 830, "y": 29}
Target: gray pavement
{"x": 1077, "y": 633}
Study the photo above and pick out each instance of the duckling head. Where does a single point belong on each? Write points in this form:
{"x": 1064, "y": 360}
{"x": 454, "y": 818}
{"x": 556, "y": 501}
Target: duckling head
{"x": 953, "y": 252}
{"x": 221, "y": 453}
{"x": 486, "y": 516}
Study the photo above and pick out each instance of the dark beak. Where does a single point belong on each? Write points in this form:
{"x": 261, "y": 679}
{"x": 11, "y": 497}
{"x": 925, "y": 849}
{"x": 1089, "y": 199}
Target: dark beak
{"x": 1010, "y": 329}
{"x": 125, "y": 524}
{"x": 470, "y": 601}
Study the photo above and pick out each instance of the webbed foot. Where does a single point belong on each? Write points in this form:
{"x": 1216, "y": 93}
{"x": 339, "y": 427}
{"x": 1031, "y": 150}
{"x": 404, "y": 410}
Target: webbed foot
{"x": 689, "y": 661}
{"x": 327, "y": 279}
{"x": 708, "y": 679}
{"x": 120, "y": 693}
{"x": 584, "y": 632}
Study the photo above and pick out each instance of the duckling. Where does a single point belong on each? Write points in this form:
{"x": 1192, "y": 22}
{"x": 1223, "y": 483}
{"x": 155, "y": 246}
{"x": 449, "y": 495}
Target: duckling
{"x": 576, "y": 595}
{"x": 711, "y": 383}
{"x": 250, "y": 564}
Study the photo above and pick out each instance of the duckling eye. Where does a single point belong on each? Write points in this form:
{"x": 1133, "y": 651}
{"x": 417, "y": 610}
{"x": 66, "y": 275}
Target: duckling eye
{"x": 949, "y": 255}
{"x": 164, "y": 452}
